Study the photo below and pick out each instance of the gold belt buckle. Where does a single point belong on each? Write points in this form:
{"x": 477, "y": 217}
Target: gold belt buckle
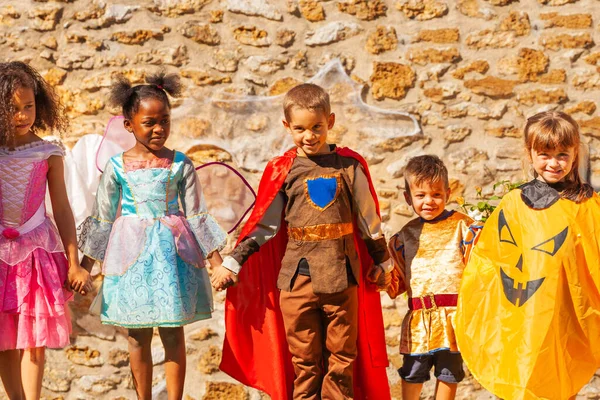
{"x": 431, "y": 299}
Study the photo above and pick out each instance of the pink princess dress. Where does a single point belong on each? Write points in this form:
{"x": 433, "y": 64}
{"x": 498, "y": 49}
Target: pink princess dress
{"x": 33, "y": 266}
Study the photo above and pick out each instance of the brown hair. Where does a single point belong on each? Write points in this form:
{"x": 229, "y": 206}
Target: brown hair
{"x": 555, "y": 130}
{"x": 307, "y": 96}
{"x": 426, "y": 168}
{"x": 49, "y": 113}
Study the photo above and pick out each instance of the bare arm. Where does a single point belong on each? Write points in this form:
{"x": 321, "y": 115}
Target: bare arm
{"x": 78, "y": 278}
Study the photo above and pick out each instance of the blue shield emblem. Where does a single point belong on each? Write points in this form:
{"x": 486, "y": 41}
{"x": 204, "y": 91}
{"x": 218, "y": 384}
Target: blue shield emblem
{"x": 322, "y": 191}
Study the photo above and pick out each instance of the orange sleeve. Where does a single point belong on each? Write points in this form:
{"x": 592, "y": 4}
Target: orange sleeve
{"x": 396, "y": 250}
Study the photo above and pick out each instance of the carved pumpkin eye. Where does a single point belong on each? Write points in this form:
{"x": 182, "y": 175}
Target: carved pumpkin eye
{"x": 504, "y": 232}
{"x": 552, "y": 245}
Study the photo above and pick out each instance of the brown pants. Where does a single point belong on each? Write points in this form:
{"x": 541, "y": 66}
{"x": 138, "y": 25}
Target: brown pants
{"x": 321, "y": 332}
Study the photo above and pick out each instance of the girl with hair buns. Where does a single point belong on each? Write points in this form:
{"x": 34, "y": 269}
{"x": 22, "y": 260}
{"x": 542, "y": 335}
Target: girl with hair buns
{"x": 152, "y": 254}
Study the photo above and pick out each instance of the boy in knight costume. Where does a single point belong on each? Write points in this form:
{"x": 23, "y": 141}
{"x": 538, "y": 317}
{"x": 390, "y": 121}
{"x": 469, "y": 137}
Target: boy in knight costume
{"x": 429, "y": 254}
{"x": 314, "y": 256}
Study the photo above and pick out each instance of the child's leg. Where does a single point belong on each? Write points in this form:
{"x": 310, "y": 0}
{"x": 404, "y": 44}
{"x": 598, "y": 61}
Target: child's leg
{"x": 414, "y": 372}
{"x": 340, "y": 321}
{"x": 140, "y": 359}
{"x": 411, "y": 391}
{"x": 174, "y": 342}
{"x": 445, "y": 391}
{"x": 448, "y": 371}
{"x": 304, "y": 334}
{"x": 10, "y": 372}
{"x": 32, "y": 371}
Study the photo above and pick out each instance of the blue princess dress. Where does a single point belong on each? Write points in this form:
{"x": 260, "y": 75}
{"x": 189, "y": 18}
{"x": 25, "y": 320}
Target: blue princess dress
{"x": 153, "y": 253}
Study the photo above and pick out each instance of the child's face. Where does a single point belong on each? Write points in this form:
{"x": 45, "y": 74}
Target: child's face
{"x": 24, "y": 117}
{"x": 428, "y": 199}
{"x": 151, "y": 125}
{"x": 309, "y": 130}
{"x": 553, "y": 165}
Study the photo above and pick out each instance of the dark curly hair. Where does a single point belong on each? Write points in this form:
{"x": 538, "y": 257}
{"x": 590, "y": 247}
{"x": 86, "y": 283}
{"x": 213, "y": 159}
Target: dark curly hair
{"x": 49, "y": 112}
{"x": 157, "y": 87}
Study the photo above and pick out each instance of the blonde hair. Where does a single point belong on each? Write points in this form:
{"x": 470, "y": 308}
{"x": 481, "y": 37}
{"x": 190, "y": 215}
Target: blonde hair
{"x": 425, "y": 168}
{"x": 555, "y": 130}
{"x": 307, "y": 96}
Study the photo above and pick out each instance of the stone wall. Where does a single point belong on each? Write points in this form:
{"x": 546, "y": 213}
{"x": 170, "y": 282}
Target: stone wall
{"x": 470, "y": 71}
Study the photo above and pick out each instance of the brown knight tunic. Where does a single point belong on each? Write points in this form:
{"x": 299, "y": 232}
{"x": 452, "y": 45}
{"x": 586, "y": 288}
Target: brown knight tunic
{"x": 321, "y": 196}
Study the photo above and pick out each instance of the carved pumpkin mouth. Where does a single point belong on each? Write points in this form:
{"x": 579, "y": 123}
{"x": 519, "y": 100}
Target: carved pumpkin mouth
{"x": 523, "y": 291}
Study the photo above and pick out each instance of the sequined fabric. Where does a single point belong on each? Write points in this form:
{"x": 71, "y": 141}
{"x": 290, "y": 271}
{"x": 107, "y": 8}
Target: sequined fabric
{"x": 429, "y": 257}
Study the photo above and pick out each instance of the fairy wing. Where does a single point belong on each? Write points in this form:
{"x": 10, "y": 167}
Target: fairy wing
{"x": 228, "y": 196}
{"x": 116, "y": 139}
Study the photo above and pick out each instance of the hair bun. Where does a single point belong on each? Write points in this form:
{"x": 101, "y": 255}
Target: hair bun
{"x": 170, "y": 83}
{"x": 120, "y": 91}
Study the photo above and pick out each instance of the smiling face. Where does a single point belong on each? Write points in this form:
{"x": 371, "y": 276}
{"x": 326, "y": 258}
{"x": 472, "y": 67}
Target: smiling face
{"x": 553, "y": 165}
{"x": 427, "y": 199}
{"x": 309, "y": 130}
{"x": 24, "y": 106}
{"x": 151, "y": 124}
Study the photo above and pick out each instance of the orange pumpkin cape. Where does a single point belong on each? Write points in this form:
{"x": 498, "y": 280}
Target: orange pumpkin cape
{"x": 255, "y": 350}
{"x": 528, "y": 318}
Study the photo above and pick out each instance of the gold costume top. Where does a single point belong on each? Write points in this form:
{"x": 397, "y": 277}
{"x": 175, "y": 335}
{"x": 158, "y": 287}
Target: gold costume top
{"x": 429, "y": 258}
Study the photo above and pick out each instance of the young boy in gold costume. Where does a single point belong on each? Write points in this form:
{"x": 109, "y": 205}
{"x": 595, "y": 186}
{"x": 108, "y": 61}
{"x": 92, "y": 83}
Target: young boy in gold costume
{"x": 429, "y": 255}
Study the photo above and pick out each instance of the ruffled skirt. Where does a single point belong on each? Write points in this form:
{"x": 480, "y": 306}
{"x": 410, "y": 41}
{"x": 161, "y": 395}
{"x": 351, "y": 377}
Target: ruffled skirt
{"x": 33, "y": 310}
{"x": 159, "y": 287}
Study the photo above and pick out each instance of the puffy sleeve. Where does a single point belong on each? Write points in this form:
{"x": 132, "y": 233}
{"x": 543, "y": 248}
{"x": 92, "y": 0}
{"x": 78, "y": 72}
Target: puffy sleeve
{"x": 94, "y": 232}
{"x": 207, "y": 231}
{"x": 396, "y": 250}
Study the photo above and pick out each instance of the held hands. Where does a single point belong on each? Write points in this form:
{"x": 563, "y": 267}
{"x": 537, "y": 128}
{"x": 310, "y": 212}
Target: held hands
{"x": 379, "y": 277}
{"x": 79, "y": 280}
{"x": 222, "y": 278}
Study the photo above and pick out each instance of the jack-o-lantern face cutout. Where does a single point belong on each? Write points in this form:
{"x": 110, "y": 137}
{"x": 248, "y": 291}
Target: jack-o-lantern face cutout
{"x": 523, "y": 291}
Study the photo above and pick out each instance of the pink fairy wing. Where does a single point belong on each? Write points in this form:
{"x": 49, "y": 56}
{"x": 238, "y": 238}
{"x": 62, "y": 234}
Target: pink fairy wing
{"x": 228, "y": 196}
{"x": 116, "y": 139}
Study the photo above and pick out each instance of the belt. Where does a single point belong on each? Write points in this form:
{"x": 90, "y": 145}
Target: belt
{"x": 36, "y": 220}
{"x": 316, "y": 233}
{"x": 432, "y": 301}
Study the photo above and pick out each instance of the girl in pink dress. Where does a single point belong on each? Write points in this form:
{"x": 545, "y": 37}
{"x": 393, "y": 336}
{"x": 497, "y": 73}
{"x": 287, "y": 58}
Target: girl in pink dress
{"x": 35, "y": 274}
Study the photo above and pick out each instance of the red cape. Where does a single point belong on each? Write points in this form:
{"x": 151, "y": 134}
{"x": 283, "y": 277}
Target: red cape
{"x": 255, "y": 351}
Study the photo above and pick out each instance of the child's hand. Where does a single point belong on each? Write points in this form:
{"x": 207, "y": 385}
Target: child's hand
{"x": 79, "y": 280}
{"x": 379, "y": 277}
{"x": 222, "y": 278}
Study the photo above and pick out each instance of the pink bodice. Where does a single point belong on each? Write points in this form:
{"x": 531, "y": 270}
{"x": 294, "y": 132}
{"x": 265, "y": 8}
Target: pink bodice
{"x": 22, "y": 189}
{"x": 23, "y": 175}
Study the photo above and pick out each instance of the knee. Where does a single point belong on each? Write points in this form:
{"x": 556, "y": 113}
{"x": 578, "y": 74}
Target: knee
{"x": 171, "y": 337}
{"x": 139, "y": 338}
{"x": 36, "y": 355}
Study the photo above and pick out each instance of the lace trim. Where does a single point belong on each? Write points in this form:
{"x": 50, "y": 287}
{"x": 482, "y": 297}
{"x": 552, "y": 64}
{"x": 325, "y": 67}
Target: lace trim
{"x": 197, "y": 317}
{"x": 93, "y": 235}
{"x": 32, "y": 145}
{"x": 209, "y": 235}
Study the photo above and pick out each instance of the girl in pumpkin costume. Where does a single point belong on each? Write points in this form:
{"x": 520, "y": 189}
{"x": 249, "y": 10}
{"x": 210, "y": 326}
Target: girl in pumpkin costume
{"x": 528, "y": 318}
